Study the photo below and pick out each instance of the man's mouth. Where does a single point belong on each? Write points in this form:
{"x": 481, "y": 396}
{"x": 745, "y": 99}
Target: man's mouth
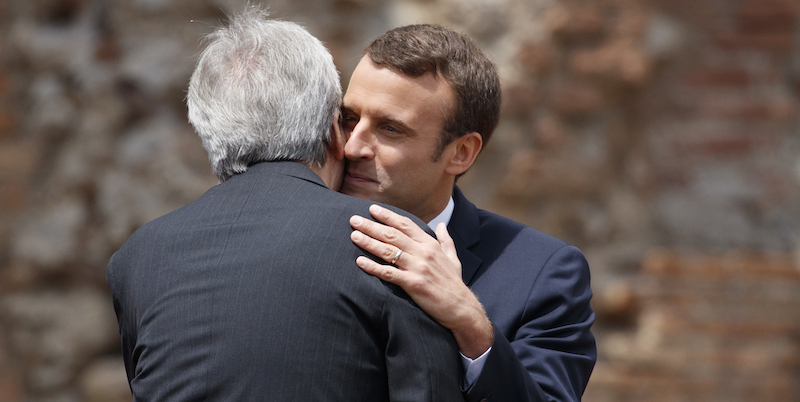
{"x": 356, "y": 178}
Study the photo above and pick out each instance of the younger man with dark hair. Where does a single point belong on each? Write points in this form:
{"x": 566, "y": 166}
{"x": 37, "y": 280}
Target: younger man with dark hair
{"x": 420, "y": 106}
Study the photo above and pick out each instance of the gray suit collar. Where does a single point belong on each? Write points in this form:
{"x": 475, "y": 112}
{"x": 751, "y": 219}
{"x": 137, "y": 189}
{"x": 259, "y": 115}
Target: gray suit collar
{"x": 287, "y": 168}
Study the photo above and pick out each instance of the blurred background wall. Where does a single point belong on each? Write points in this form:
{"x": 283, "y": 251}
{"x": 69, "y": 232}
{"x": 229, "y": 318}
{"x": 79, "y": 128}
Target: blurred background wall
{"x": 659, "y": 136}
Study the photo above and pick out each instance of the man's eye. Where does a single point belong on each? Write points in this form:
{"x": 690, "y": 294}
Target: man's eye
{"x": 349, "y": 121}
{"x": 391, "y": 129}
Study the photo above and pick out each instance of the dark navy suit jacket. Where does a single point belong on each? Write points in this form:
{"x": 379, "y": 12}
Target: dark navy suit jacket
{"x": 251, "y": 293}
{"x": 535, "y": 289}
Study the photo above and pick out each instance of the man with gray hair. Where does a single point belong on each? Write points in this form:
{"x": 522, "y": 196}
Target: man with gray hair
{"x": 251, "y": 292}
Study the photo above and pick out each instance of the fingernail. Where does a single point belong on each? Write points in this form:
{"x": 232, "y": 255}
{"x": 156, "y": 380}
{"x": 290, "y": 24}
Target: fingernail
{"x": 356, "y": 220}
{"x": 356, "y": 235}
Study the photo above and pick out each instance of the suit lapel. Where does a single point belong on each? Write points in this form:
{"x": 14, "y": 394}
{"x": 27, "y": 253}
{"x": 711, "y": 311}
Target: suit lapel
{"x": 464, "y": 228}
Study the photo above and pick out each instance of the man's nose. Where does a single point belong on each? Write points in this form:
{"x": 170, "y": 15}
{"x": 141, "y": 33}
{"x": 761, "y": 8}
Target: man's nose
{"x": 359, "y": 143}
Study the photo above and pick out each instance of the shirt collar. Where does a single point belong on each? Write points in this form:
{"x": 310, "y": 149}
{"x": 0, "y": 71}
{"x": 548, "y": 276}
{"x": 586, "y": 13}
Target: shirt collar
{"x": 443, "y": 216}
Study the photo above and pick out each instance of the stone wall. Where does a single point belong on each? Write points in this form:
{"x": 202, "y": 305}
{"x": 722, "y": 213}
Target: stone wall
{"x": 661, "y": 137}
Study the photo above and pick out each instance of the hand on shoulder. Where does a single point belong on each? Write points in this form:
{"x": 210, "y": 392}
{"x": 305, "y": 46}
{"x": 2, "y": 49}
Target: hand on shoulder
{"x": 428, "y": 270}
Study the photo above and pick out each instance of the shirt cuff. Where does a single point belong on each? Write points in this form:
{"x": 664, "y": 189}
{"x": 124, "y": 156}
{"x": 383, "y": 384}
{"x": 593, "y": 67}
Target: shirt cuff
{"x": 473, "y": 368}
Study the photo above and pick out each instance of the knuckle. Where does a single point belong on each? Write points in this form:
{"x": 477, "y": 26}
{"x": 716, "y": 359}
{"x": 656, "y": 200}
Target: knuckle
{"x": 388, "y": 274}
{"x": 366, "y": 226}
{"x": 404, "y": 222}
{"x": 415, "y": 286}
{"x": 392, "y": 234}
{"x": 427, "y": 254}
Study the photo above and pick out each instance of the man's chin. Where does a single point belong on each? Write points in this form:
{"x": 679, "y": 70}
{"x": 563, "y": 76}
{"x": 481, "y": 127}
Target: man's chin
{"x": 360, "y": 192}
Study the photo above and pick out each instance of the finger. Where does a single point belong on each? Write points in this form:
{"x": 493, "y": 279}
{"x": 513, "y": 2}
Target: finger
{"x": 443, "y": 236}
{"x": 447, "y": 244}
{"x": 386, "y": 272}
{"x": 381, "y": 232}
{"x": 399, "y": 222}
{"x": 381, "y": 250}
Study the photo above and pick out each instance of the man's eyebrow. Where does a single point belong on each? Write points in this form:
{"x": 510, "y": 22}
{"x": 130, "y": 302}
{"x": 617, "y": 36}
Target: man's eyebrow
{"x": 395, "y": 121}
{"x": 382, "y": 117}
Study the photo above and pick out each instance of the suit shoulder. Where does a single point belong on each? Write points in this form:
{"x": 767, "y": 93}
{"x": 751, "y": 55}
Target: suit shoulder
{"x": 154, "y": 226}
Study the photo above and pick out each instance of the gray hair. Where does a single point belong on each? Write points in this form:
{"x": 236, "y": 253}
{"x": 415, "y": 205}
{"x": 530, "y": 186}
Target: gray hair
{"x": 263, "y": 90}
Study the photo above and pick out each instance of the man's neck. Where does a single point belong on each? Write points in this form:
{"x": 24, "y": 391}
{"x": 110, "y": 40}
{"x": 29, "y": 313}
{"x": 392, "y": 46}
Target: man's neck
{"x": 328, "y": 174}
{"x": 444, "y": 216}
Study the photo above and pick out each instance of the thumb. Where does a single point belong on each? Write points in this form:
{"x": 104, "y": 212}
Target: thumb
{"x": 447, "y": 244}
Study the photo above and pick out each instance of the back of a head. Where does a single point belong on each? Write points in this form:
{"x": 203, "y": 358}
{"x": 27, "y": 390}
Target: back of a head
{"x": 418, "y": 49}
{"x": 263, "y": 90}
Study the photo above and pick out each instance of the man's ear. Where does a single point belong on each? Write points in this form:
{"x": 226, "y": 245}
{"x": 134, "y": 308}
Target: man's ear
{"x": 464, "y": 151}
{"x": 336, "y": 146}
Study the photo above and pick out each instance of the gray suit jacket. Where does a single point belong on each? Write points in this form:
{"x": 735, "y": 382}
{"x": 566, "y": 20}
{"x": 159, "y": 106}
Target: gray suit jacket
{"x": 251, "y": 293}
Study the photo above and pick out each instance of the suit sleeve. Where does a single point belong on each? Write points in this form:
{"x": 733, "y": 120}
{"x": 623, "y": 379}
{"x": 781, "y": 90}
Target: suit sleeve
{"x": 422, "y": 362}
{"x": 552, "y": 353}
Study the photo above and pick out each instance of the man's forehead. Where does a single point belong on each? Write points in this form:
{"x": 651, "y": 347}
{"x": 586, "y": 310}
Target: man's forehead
{"x": 429, "y": 81}
{"x": 393, "y": 95}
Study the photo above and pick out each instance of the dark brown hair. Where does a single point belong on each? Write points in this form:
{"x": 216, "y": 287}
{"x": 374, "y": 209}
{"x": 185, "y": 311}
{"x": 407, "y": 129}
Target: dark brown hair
{"x": 418, "y": 49}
